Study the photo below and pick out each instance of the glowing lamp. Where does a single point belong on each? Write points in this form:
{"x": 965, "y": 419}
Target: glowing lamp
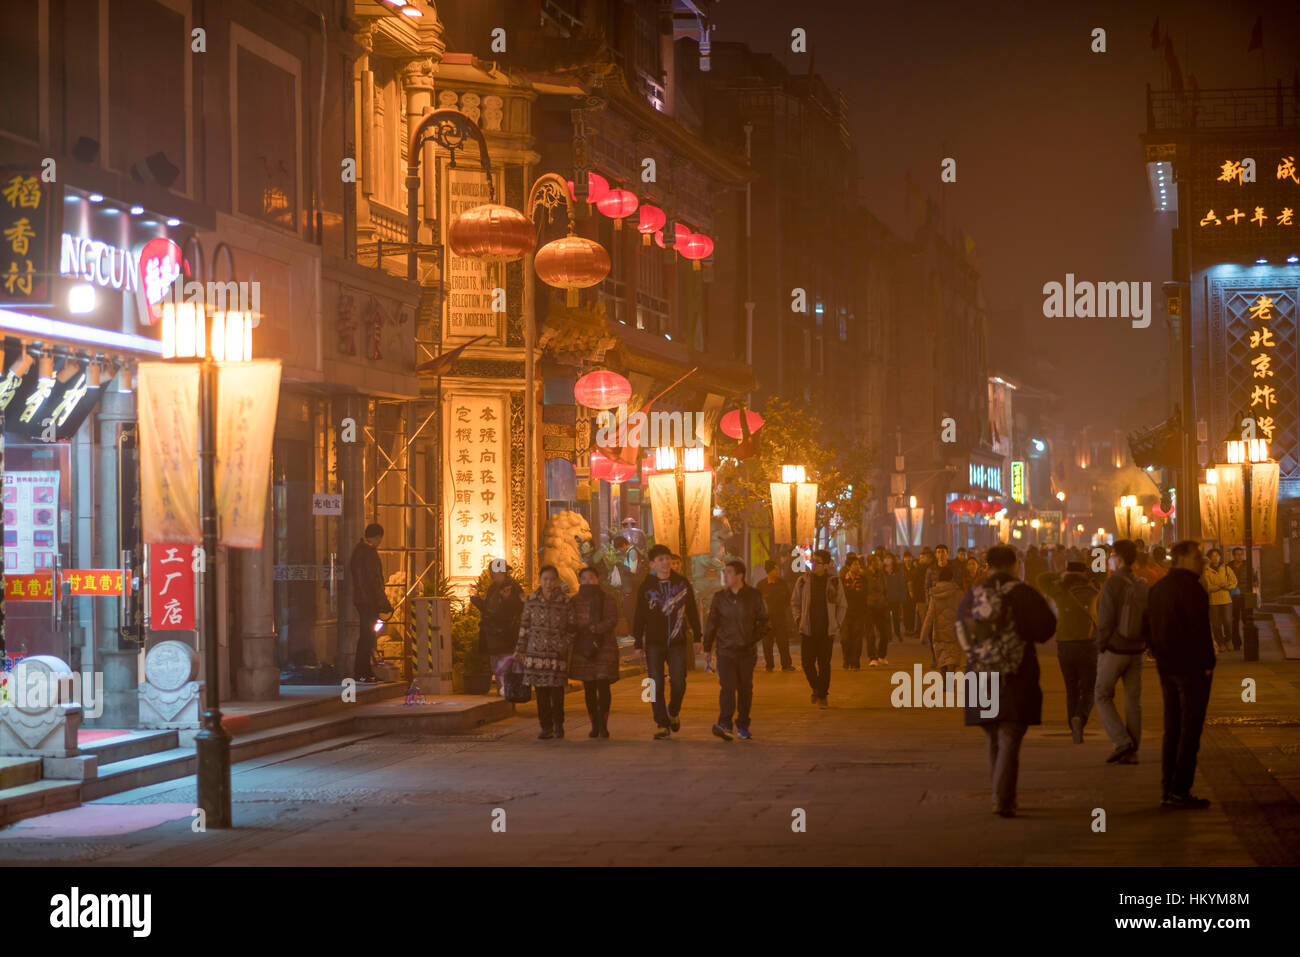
{"x": 602, "y": 389}
{"x": 695, "y": 247}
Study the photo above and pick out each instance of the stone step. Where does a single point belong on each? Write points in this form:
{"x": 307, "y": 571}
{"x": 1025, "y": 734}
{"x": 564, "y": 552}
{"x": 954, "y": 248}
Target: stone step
{"x": 132, "y": 744}
{"x": 36, "y": 798}
{"x": 15, "y": 772}
{"x": 283, "y": 737}
{"x": 138, "y": 771}
{"x": 291, "y": 709}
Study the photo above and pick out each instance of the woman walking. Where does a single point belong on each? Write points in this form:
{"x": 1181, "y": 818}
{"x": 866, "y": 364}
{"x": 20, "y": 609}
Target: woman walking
{"x": 595, "y": 649}
{"x": 940, "y": 625}
{"x": 545, "y": 633}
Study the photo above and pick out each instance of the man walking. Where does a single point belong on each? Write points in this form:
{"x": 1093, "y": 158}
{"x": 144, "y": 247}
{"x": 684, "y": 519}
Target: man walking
{"x": 665, "y": 612}
{"x": 819, "y": 605}
{"x": 1238, "y": 568}
{"x": 776, "y": 596}
{"x": 1179, "y": 614}
{"x": 1120, "y": 643}
{"x": 932, "y": 572}
{"x": 368, "y": 597}
{"x": 1000, "y": 619}
{"x": 916, "y": 589}
{"x": 737, "y": 622}
{"x": 1075, "y": 596}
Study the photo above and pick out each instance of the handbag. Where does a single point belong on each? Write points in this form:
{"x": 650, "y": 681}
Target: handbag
{"x": 513, "y": 686}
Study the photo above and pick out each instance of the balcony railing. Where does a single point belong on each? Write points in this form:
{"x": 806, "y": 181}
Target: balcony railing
{"x": 1242, "y": 109}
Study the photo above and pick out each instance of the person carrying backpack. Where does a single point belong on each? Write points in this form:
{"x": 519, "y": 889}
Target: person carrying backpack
{"x": 1121, "y": 639}
{"x": 1076, "y": 599}
{"x": 998, "y": 623}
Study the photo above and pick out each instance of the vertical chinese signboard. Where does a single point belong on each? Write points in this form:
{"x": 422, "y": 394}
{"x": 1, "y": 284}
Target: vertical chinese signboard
{"x": 28, "y": 229}
{"x": 171, "y": 588}
{"x": 469, "y": 281}
{"x": 475, "y": 500}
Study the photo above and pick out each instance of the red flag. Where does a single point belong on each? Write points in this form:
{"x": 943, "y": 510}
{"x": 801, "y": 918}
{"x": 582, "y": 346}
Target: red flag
{"x": 1155, "y": 35}
{"x": 441, "y": 365}
{"x": 1257, "y": 35}
{"x": 1171, "y": 61}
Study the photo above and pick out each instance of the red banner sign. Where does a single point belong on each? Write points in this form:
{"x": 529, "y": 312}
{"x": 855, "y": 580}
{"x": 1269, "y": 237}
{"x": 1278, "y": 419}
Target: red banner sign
{"x": 171, "y": 587}
{"x": 38, "y": 586}
{"x": 108, "y": 582}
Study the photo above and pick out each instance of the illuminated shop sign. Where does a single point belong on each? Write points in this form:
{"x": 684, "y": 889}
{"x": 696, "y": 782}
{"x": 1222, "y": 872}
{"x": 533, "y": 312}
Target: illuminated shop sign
{"x": 27, "y": 211}
{"x": 1018, "y": 482}
{"x": 1246, "y": 193}
{"x": 986, "y": 476}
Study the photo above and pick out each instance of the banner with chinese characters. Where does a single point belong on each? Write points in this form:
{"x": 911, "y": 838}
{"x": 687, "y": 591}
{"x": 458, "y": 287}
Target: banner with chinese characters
{"x": 699, "y": 512}
{"x": 781, "y": 531}
{"x": 38, "y": 586}
{"x": 171, "y": 588}
{"x": 1260, "y": 377}
{"x": 666, "y": 510}
{"x": 806, "y": 519}
{"x": 1209, "y": 510}
{"x": 29, "y": 221}
{"x": 1264, "y": 478}
{"x": 475, "y": 499}
{"x": 99, "y": 582}
{"x": 169, "y": 452}
{"x": 1232, "y": 512}
{"x": 248, "y": 395}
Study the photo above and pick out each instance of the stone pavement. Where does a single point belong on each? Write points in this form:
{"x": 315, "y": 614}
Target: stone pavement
{"x": 878, "y": 785}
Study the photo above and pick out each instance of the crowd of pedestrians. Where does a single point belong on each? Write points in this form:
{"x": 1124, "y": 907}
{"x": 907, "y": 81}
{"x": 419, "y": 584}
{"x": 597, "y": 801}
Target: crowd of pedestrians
{"x": 1112, "y": 611}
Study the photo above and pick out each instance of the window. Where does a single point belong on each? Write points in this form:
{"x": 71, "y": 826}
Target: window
{"x": 20, "y": 71}
{"x": 148, "y": 89}
{"x": 268, "y": 131}
{"x": 652, "y": 294}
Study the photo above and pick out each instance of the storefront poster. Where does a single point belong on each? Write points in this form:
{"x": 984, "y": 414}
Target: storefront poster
{"x": 171, "y": 588}
{"x": 169, "y": 452}
{"x": 247, "y": 398}
{"x": 469, "y": 281}
{"x": 31, "y": 527}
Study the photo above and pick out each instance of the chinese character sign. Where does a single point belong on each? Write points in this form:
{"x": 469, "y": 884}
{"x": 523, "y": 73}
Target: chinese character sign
{"x": 1245, "y": 197}
{"x": 28, "y": 207}
{"x": 474, "y": 494}
{"x": 171, "y": 587}
{"x": 169, "y": 452}
{"x": 94, "y": 582}
{"x": 247, "y": 398}
{"x": 38, "y": 586}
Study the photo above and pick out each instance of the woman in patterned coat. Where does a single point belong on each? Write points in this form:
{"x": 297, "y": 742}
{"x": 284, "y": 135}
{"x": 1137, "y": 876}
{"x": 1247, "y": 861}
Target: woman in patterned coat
{"x": 545, "y": 634}
{"x": 595, "y": 649}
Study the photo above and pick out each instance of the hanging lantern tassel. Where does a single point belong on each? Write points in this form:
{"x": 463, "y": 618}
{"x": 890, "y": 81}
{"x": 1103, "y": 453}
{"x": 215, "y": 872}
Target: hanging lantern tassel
{"x": 571, "y": 298}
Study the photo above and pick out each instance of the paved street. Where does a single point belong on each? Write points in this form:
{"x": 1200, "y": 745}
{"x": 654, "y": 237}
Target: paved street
{"x": 879, "y": 785}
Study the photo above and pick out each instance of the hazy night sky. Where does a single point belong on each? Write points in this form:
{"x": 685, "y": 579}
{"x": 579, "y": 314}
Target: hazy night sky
{"x": 1050, "y": 170}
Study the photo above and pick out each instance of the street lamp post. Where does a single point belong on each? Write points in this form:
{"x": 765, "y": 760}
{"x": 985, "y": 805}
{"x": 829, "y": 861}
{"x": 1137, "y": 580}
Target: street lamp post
{"x": 1128, "y": 516}
{"x": 185, "y": 339}
{"x": 1247, "y": 453}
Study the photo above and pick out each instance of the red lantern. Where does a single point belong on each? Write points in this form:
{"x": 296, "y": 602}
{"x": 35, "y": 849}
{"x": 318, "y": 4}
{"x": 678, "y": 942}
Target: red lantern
{"x": 991, "y": 508}
{"x": 597, "y": 187}
{"x": 605, "y": 469}
{"x": 651, "y": 220}
{"x": 492, "y": 233}
{"x": 696, "y": 247}
{"x": 681, "y": 232}
{"x": 960, "y": 505}
{"x": 602, "y": 389}
{"x": 730, "y": 423}
{"x": 618, "y": 203}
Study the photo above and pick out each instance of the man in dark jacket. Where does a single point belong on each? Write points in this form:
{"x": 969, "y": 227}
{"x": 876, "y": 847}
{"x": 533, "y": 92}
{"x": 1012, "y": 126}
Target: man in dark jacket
{"x": 1020, "y": 699}
{"x": 737, "y": 622}
{"x": 776, "y": 595}
{"x": 1119, "y": 656}
{"x": 665, "y": 612}
{"x": 1178, "y": 611}
{"x": 368, "y": 597}
{"x": 1074, "y": 595}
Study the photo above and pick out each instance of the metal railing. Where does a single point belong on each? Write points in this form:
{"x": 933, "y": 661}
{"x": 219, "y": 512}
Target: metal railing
{"x": 1239, "y": 109}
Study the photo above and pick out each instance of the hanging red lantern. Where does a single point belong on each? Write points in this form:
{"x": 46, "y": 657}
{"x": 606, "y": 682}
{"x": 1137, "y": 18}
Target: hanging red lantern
{"x": 618, "y": 203}
{"x": 602, "y": 389}
{"x": 991, "y": 508}
{"x": 571, "y": 263}
{"x": 597, "y": 187}
{"x": 730, "y": 423}
{"x": 681, "y": 233}
{"x": 695, "y": 248}
{"x": 606, "y": 469}
{"x": 650, "y": 221}
{"x": 491, "y": 233}
{"x": 960, "y": 505}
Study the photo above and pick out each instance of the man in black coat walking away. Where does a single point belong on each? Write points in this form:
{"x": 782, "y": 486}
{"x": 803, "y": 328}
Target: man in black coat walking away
{"x": 1178, "y": 612}
{"x": 737, "y": 623}
{"x": 776, "y": 595}
{"x": 368, "y": 597}
{"x": 1004, "y": 614}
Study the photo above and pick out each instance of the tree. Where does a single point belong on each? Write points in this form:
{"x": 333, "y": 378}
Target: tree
{"x": 833, "y": 457}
